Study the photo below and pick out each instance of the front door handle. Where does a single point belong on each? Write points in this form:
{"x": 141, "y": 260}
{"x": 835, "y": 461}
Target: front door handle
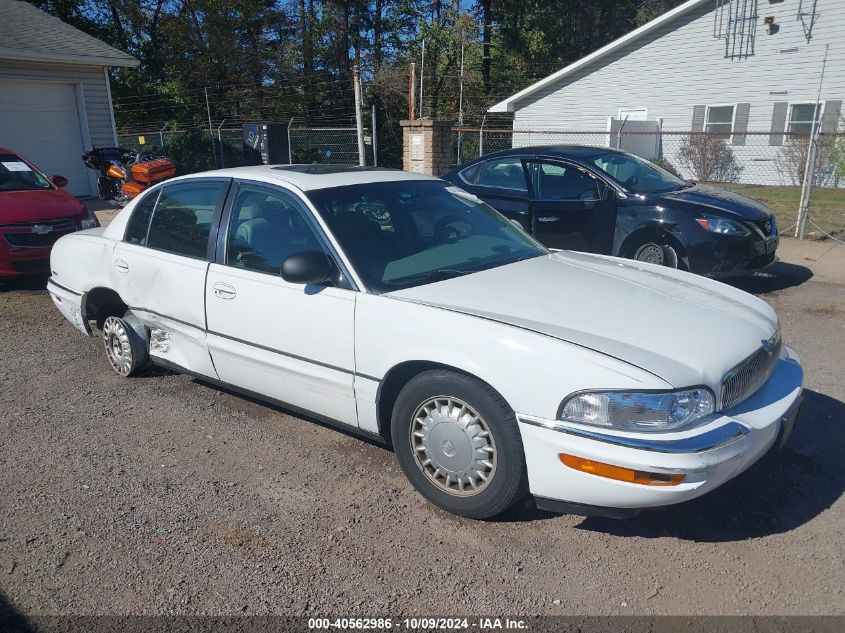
{"x": 121, "y": 266}
{"x": 224, "y": 291}
{"x": 548, "y": 218}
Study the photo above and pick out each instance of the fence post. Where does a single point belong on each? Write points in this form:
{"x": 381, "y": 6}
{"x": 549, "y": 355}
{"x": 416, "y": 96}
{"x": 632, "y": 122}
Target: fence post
{"x": 290, "y": 149}
{"x": 161, "y": 136}
{"x": 375, "y": 138}
{"x": 220, "y": 140}
{"x": 359, "y": 120}
{"x": 481, "y": 137}
{"x": 210, "y": 131}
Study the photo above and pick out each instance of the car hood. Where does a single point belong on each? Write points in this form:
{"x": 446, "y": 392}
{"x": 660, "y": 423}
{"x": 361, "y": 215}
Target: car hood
{"x": 37, "y": 206}
{"x": 716, "y": 199}
{"x": 686, "y": 329}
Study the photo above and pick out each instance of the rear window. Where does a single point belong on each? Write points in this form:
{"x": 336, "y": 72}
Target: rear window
{"x": 17, "y": 175}
{"x": 139, "y": 223}
{"x": 182, "y": 218}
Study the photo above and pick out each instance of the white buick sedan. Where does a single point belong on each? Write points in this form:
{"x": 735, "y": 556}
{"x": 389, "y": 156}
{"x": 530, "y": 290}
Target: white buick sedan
{"x": 405, "y": 309}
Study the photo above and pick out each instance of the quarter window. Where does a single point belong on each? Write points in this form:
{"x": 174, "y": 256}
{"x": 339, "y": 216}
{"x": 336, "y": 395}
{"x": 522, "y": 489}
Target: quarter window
{"x": 182, "y": 219}
{"x": 720, "y": 121}
{"x": 801, "y": 116}
{"x": 139, "y": 222}
{"x": 504, "y": 173}
{"x": 267, "y": 227}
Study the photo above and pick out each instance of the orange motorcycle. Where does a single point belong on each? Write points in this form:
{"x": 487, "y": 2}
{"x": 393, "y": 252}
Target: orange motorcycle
{"x": 123, "y": 173}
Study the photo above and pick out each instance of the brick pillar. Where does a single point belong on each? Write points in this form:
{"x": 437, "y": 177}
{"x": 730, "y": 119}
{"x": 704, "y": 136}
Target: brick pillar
{"x": 427, "y": 146}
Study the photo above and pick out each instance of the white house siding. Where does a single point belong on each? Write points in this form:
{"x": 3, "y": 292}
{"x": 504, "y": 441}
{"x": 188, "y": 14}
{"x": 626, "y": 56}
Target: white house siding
{"x": 682, "y": 64}
{"x": 98, "y": 127}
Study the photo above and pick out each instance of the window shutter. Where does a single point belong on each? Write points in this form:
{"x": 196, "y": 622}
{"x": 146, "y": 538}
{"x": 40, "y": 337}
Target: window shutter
{"x": 740, "y": 123}
{"x": 830, "y": 116}
{"x": 779, "y": 111}
{"x": 698, "y": 114}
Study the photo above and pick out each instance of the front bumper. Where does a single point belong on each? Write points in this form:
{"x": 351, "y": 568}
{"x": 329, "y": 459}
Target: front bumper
{"x": 726, "y": 256}
{"x": 25, "y": 248}
{"x": 709, "y": 455}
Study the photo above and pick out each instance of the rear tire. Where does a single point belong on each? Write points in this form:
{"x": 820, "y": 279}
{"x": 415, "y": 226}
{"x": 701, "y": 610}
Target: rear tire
{"x": 457, "y": 441}
{"x": 125, "y": 350}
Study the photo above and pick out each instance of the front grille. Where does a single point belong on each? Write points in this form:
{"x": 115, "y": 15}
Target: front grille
{"x": 37, "y": 235}
{"x": 747, "y": 377}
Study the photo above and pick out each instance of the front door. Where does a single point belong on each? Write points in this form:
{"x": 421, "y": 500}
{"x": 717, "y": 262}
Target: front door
{"x": 293, "y": 343}
{"x": 160, "y": 266}
{"x": 570, "y": 207}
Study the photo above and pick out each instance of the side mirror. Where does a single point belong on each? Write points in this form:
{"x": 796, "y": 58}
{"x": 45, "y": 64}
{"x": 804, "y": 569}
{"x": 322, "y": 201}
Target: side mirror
{"x": 308, "y": 267}
{"x": 60, "y": 181}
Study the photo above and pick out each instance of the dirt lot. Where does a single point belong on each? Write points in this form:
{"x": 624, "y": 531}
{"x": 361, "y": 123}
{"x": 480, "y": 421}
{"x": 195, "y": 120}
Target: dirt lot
{"x": 161, "y": 495}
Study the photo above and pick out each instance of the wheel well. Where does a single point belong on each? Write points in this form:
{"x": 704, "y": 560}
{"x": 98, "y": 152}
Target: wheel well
{"x": 654, "y": 233}
{"x": 392, "y": 383}
{"x": 100, "y": 303}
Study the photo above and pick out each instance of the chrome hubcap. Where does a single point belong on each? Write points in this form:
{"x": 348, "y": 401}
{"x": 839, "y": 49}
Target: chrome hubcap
{"x": 453, "y": 446}
{"x": 118, "y": 349}
{"x": 650, "y": 253}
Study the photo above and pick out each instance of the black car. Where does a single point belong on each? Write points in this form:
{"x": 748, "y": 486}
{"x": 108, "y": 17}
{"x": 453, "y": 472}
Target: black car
{"x": 605, "y": 201}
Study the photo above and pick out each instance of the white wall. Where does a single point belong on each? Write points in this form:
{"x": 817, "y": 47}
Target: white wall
{"x": 682, "y": 64}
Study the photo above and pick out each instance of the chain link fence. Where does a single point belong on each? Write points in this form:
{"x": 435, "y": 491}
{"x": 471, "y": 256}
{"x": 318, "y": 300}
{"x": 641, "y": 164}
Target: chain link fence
{"x": 768, "y": 167}
{"x": 196, "y": 149}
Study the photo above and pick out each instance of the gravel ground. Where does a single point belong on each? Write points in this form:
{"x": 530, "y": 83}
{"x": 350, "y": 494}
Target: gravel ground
{"x": 162, "y": 495}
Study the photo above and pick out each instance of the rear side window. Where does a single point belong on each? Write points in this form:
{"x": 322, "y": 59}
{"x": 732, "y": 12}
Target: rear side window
{"x": 503, "y": 173}
{"x": 182, "y": 219}
{"x": 139, "y": 223}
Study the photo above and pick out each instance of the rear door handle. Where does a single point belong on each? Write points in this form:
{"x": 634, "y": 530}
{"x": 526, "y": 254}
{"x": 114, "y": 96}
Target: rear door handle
{"x": 224, "y": 291}
{"x": 121, "y": 266}
{"x": 548, "y": 218}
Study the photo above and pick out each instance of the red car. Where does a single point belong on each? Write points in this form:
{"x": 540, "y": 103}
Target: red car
{"x": 34, "y": 213}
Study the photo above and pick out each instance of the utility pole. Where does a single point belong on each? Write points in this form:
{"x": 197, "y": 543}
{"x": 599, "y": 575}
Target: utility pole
{"x": 210, "y": 131}
{"x": 411, "y": 84}
{"x": 461, "y": 104}
{"x": 375, "y": 138}
{"x": 810, "y": 167}
{"x": 422, "y": 75}
{"x": 359, "y": 120}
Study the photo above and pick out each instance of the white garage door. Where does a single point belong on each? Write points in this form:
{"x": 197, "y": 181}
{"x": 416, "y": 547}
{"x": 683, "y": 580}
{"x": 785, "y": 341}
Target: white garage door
{"x": 40, "y": 121}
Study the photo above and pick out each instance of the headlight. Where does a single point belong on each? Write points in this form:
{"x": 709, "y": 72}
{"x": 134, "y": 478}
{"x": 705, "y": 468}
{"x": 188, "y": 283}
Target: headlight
{"x": 89, "y": 220}
{"x": 639, "y": 411}
{"x": 724, "y": 226}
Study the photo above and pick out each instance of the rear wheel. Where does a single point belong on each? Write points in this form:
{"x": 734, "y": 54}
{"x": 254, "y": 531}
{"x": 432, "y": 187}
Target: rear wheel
{"x": 125, "y": 350}
{"x": 457, "y": 441}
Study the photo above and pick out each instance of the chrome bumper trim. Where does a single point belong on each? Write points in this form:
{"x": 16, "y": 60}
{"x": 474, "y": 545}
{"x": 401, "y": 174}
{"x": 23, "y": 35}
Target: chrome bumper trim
{"x": 720, "y": 436}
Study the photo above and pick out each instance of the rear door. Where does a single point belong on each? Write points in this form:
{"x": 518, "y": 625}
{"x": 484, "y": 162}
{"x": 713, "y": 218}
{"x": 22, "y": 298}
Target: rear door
{"x": 501, "y": 183}
{"x": 160, "y": 267}
{"x": 571, "y": 208}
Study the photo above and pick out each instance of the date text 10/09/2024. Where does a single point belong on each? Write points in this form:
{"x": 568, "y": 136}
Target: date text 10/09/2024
{"x": 377, "y": 624}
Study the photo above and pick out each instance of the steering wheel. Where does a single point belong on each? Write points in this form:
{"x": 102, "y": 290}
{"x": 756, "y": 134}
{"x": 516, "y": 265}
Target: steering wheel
{"x": 451, "y": 229}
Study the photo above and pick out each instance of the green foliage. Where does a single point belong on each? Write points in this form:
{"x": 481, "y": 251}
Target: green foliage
{"x": 668, "y": 166}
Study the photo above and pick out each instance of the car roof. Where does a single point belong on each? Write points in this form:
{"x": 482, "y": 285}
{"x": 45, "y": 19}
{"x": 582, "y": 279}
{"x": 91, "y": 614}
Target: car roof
{"x": 564, "y": 151}
{"x": 4, "y": 150}
{"x": 315, "y": 176}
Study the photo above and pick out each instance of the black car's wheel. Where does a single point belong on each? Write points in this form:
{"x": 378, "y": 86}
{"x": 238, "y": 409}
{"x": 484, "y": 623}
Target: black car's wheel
{"x": 125, "y": 350}
{"x": 652, "y": 252}
{"x": 457, "y": 441}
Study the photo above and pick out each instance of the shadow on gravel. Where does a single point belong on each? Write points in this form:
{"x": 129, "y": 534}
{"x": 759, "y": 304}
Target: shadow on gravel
{"x": 11, "y": 619}
{"x": 781, "y": 492}
{"x": 779, "y": 276}
{"x": 29, "y": 282}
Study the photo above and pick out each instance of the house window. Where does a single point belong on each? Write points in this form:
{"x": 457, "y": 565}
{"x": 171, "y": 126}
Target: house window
{"x": 801, "y": 117}
{"x": 720, "y": 121}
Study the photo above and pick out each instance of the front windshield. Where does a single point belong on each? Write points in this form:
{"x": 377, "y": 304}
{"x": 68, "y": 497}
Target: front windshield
{"x": 411, "y": 232}
{"x": 16, "y": 175}
{"x": 636, "y": 174}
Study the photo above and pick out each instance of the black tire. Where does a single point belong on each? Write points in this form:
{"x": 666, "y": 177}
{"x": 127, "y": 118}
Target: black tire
{"x": 125, "y": 349}
{"x": 509, "y": 481}
{"x": 656, "y": 252}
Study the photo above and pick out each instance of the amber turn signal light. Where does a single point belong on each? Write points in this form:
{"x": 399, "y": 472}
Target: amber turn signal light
{"x": 619, "y": 473}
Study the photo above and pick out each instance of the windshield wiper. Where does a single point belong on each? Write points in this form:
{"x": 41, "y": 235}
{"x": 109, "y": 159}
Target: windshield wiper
{"x": 438, "y": 274}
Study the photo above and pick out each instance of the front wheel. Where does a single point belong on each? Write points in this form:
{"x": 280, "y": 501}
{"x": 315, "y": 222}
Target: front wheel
{"x": 659, "y": 254}
{"x": 457, "y": 441}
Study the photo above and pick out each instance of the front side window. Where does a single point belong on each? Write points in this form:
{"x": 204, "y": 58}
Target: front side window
{"x": 16, "y": 175}
{"x": 502, "y": 173}
{"x": 801, "y": 116}
{"x": 182, "y": 218}
{"x": 266, "y": 227}
{"x": 563, "y": 181}
{"x": 139, "y": 221}
{"x": 720, "y": 121}
{"x": 636, "y": 174}
{"x": 435, "y": 231}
